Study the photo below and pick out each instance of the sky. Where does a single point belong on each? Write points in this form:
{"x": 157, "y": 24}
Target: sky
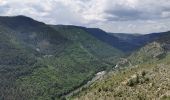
{"x": 117, "y": 16}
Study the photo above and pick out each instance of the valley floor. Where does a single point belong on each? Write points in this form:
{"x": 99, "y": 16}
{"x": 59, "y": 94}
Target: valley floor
{"x": 98, "y": 76}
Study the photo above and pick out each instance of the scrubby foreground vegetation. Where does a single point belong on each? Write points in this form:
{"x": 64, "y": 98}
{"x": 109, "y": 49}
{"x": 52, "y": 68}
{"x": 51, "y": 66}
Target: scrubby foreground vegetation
{"x": 145, "y": 75}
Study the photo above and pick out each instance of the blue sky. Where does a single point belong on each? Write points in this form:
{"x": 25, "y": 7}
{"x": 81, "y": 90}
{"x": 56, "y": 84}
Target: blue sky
{"x": 122, "y": 16}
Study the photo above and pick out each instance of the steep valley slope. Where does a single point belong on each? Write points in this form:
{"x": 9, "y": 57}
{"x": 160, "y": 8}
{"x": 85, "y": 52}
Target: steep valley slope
{"x": 38, "y": 61}
{"x": 46, "y": 62}
{"x": 142, "y": 76}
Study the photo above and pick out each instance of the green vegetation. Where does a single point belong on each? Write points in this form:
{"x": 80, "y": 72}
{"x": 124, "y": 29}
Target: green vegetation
{"x": 63, "y": 73}
{"x": 152, "y": 51}
{"x": 92, "y": 45}
{"x": 38, "y": 61}
{"x": 43, "y": 62}
{"x": 146, "y": 80}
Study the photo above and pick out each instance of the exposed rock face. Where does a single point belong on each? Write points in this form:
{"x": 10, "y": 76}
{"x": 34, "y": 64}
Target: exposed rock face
{"x": 167, "y": 47}
{"x": 155, "y": 49}
{"x": 152, "y": 51}
{"x": 123, "y": 63}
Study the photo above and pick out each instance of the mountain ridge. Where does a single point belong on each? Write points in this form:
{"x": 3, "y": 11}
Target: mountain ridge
{"x": 40, "y": 61}
{"x": 47, "y": 61}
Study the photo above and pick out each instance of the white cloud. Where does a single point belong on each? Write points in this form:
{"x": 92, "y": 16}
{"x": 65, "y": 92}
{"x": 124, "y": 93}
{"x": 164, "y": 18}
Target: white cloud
{"x": 112, "y": 15}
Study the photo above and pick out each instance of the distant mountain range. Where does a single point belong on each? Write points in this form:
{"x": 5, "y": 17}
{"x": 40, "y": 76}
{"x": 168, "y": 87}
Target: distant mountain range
{"x": 40, "y": 61}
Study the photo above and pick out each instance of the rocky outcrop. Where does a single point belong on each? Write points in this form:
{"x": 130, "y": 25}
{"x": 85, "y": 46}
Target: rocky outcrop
{"x": 123, "y": 62}
{"x": 136, "y": 79}
{"x": 167, "y": 47}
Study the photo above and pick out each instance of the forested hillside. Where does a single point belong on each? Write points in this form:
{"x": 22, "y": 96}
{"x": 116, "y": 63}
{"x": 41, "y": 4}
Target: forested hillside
{"x": 46, "y": 62}
{"x": 38, "y": 61}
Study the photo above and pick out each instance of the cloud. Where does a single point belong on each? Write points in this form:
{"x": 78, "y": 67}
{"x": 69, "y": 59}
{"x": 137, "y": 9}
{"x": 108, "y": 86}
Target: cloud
{"x": 111, "y": 15}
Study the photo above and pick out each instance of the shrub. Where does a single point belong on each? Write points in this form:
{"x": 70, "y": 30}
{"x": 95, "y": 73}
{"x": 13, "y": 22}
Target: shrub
{"x": 143, "y": 73}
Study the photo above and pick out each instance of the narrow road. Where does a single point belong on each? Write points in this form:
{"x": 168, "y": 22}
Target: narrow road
{"x": 97, "y": 77}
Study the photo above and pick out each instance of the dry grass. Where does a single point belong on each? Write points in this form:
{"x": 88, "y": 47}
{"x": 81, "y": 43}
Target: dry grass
{"x": 150, "y": 81}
